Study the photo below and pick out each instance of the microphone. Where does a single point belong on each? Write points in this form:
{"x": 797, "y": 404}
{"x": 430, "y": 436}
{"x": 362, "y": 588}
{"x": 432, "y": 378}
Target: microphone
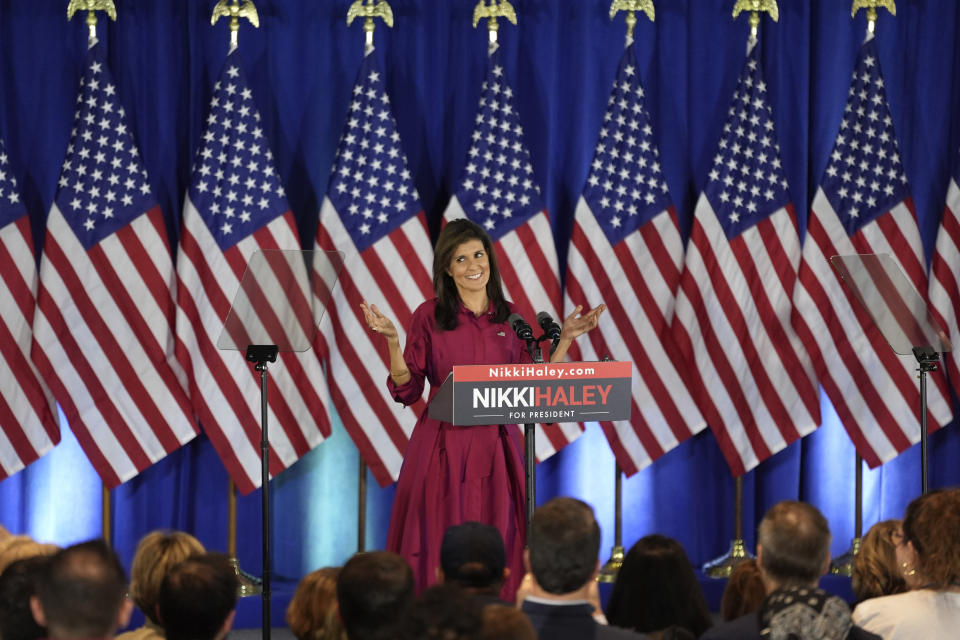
{"x": 520, "y": 327}
{"x": 550, "y": 328}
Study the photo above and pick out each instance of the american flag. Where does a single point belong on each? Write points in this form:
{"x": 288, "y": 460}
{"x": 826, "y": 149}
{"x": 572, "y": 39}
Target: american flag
{"x": 757, "y": 388}
{"x": 626, "y": 247}
{"x": 102, "y": 329}
{"x": 945, "y": 283}
{"x": 863, "y": 205}
{"x": 498, "y": 192}
{"x": 28, "y": 417}
{"x": 372, "y": 213}
{"x": 234, "y": 207}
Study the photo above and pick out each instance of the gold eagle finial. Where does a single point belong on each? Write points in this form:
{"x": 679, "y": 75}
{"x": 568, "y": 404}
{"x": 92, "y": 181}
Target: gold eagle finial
{"x": 492, "y": 11}
{"x": 372, "y": 9}
{"x": 871, "y": 7}
{"x": 90, "y": 6}
{"x": 631, "y": 7}
{"x": 235, "y": 11}
{"x": 755, "y": 7}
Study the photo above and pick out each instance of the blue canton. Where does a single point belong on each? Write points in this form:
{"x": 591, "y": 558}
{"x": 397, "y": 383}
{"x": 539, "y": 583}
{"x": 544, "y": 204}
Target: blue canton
{"x": 747, "y": 183}
{"x": 103, "y": 184}
{"x": 498, "y": 190}
{"x": 234, "y": 186}
{"x": 371, "y": 187}
{"x": 11, "y": 208}
{"x": 625, "y": 188}
{"x": 864, "y": 178}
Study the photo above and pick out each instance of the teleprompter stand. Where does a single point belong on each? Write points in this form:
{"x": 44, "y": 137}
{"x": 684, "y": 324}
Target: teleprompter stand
{"x": 900, "y": 314}
{"x": 278, "y": 306}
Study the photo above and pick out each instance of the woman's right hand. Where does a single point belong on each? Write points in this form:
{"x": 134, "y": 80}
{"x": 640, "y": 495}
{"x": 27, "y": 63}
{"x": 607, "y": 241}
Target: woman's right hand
{"x": 378, "y": 322}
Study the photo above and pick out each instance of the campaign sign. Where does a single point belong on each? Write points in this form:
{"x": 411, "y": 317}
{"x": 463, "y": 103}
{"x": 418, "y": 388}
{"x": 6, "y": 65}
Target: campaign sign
{"x": 525, "y": 393}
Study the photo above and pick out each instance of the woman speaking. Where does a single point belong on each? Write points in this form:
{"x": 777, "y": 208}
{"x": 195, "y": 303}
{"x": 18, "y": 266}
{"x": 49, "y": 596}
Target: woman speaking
{"x": 453, "y": 474}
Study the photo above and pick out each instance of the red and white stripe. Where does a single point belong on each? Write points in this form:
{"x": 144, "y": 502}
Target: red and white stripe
{"x": 757, "y": 388}
{"x": 874, "y": 391}
{"x": 637, "y": 279}
{"x": 224, "y": 388}
{"x": 945, "y": 280}
{"x": 394, "y": 274}
{"x": 102, "y": 342}
{"x": 527, "y": 258}
{"x": 28, "y": 416}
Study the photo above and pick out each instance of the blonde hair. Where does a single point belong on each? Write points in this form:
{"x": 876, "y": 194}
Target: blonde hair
{"x": 875, "y": 570}
{"x": 157, "y": 553}
{"x": 312, "y": 613}
{"x": 20, "y": 547}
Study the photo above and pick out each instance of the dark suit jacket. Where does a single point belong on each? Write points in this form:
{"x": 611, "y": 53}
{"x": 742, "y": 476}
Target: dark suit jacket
{"x": 571, "y": 622}
{"x": 748, "y": 628}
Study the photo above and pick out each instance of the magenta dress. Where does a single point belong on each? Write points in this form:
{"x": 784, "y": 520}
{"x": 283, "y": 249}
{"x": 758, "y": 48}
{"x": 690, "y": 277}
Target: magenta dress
{"x": 455, "y": 474}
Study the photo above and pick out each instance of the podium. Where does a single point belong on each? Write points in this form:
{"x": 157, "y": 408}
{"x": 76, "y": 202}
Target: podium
{"x": 531, "y": 393}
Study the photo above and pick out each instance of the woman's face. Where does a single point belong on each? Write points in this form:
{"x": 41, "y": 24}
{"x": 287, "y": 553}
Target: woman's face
{"x": 470, "y": 267}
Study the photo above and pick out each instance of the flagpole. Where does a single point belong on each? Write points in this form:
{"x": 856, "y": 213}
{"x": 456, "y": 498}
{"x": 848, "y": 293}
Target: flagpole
{"x": 843, "y": 564}
{"x": 608, "y": 572}
{"x": 248, "y": 585}
{"x": 723, "y": 566}
{"x": 105, "y": 508}
{"x": 362, "y": 507}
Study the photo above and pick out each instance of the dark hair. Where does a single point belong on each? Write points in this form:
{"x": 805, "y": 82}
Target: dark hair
{"x": 472, "y": 556}
{"x": 501, "y": 622}
{"x": 656, "y": 588}
{"x": 931, "y": 523}
{"x": 454, "y": 234}
{"x": 197, "y": 596}
{"x": 564, "y": 543}
{"x": 18, "y": 583}
{"x": 374, "y": 590}
{"x": 744, "y": 593}
{"x": 82, "y": 590}
{"x": 443, "y": 612}
{"x": 796, "y": 542}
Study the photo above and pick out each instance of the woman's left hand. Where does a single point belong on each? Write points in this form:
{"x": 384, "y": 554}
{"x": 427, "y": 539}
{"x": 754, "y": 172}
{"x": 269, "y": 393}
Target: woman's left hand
{"x": 577, "y": 324}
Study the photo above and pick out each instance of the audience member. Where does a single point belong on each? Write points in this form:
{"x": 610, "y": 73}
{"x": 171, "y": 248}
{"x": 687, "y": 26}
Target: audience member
{"x": 197, "y": 598}
{"x": 157, "y": 553}
{"x": 793, "y": 552}
{"x": 744, "y": 592}
{"x": 875, "y": 569}
{"x": 502, "y": 622}
{"x": 18, "y": 583}
{"x": 564, "y": 541}
{"x": 472, "y": 556}
{"x": 373, "y": 592}
{"x": 443, "y": 612}
{"x": 312, "y": 614}
{"x": 929, "y": 552}
{"x": 656, "y": 589}
{"x": 18, "y": 547}
{"x": 81, "y": 593}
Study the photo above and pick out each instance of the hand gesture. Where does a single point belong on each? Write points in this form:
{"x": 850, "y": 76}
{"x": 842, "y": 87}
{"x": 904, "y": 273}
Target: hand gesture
{"x": 576, "y": 324}
{"x": 378, "y": 322}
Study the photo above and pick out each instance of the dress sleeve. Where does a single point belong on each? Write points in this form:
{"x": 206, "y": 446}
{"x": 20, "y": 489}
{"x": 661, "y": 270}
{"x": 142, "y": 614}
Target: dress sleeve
{"x": 416, "y": 354}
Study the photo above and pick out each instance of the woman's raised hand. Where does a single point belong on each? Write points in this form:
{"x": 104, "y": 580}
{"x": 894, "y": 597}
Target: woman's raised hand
{"x": 378, "y": 322}
{"x": 577, "y": 324}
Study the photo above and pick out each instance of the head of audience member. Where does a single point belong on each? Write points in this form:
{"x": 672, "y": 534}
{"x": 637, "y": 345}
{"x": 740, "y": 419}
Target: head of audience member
{"x": 472, "y": 556}
{"x": 744, "y": 592}
{"x": 157, "y": 553}
{"x": 563, "y": 545}
{"x": 501, "y": 622}
{"x": 312, "y": 614}
{"x": 197, "y": 598}
{"x": 656, "y": 588}
{"x": 82, "y": 593}
{"x": 18, "y": 583}
{"x": 373, "y": 592}
{"x": 15, "y": 548}
{"x": 875, "y": 568}
{"x": 929, "y": 552}
{"x": 793, "y": 546}
{"x": 442, "y": 612}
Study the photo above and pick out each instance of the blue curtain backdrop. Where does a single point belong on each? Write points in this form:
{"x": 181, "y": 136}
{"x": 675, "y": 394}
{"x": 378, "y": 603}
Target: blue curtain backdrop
{"x": 561, "y": 60}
